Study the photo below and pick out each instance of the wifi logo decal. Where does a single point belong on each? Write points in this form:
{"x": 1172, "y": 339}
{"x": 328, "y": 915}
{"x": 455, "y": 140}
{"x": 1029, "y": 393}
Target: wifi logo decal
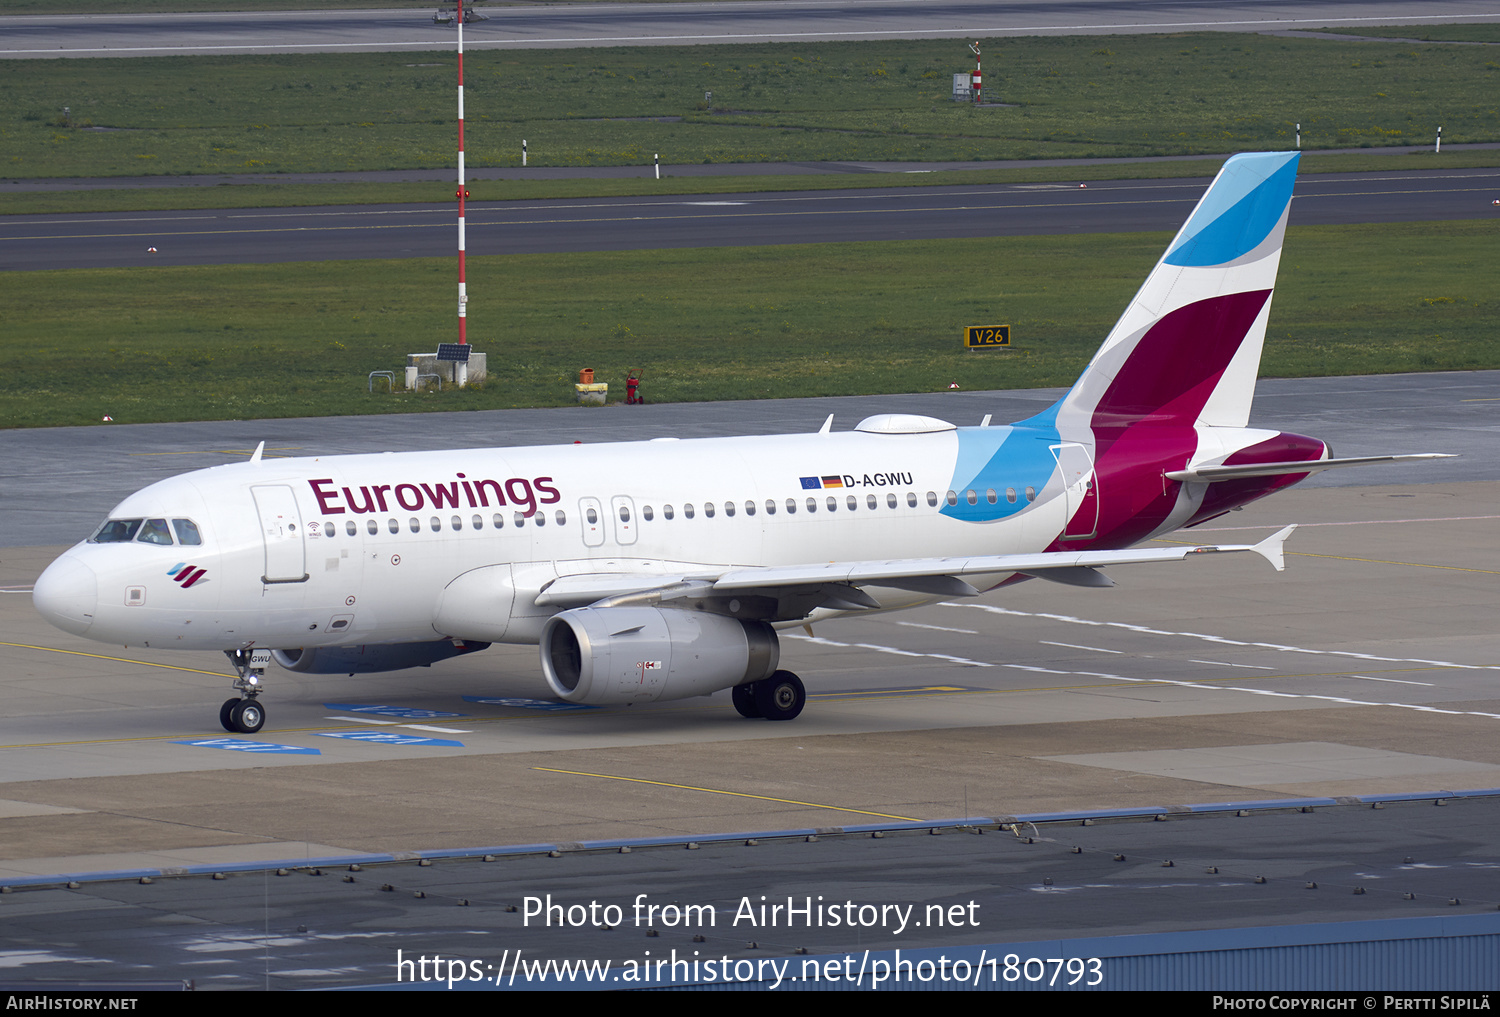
{"x": 186, "y": 575}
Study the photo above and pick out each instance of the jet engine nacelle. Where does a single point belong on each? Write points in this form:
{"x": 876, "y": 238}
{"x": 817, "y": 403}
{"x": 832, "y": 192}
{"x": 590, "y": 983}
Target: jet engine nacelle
{"x": 640, "y": 654}
{"x": 372, "y": 656}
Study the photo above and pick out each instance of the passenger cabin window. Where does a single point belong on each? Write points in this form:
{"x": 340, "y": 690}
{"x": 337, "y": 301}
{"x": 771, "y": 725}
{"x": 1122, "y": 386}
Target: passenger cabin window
{"x": 478, "y": 522}
{"x": 666, "y": 511}
{"x": 791, "y": 506}
{"x": 646, "y": 513}
{"x": 1031, "y": 494}
{"x": 328, "y": 530}
{"x": 499, "y": 521}
{"x": 851, "y": 503}
{"x": 687, "y": 510}
{"x": 729, "y": 508}
{"x": 394, "y": 526}
{"x": 833, "y": 503}
{"x": 350, "y": 527}
{"x": 708, "y": 509}
{"x": 372, "y": 527}
{"x": 890, "y": 501}
{"x": 911, "y": 499}
{"x": 562, "y": 517}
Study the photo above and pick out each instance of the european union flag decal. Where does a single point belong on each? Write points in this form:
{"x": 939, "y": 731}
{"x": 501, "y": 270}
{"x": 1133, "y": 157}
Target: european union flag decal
{"x": 811, "y": 484}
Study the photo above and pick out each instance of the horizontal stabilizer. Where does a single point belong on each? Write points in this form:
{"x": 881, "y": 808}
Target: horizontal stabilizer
{"x": 1211, "y": 474}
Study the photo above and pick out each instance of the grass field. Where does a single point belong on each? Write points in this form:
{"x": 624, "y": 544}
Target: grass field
{"x": 1072, "y": 96}
{"x": 292, "y": 340}
{"x": 1432, "y": 33}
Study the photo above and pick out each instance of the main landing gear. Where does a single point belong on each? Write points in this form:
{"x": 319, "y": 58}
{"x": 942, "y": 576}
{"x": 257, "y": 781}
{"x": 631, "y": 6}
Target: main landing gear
{"x": 779, "y": 697}
{"x": 245, "y": 715}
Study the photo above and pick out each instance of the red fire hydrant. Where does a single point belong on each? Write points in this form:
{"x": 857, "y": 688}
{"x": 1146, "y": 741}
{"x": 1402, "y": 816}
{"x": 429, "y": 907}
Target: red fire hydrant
{"x": 632, "y": 389}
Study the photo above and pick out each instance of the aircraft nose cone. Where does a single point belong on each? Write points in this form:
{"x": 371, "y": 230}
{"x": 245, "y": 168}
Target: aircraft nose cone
{"x": 67, "y": 595}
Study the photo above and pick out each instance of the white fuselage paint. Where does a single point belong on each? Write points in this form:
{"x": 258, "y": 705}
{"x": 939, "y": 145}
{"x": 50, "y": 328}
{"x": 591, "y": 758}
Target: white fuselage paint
{"x": 387, "y": 587}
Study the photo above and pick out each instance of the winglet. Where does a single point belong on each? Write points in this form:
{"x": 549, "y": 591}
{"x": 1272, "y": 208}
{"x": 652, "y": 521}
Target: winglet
{"x": 1270, "y": 548}
{"x": 827, "y": 425}
{"x": 255, "y": 458}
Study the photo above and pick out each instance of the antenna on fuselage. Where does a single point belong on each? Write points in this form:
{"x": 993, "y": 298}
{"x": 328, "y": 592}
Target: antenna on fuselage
{"x": 255, "y": 457}
{"x": 827, "y": 427}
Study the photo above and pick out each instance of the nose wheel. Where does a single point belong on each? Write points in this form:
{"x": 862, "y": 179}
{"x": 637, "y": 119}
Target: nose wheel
{"x": 242, "y": 716}
{"x": 245, "y": 715}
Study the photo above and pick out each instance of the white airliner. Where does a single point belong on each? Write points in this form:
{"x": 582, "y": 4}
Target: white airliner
{"x": 660, "y": 570}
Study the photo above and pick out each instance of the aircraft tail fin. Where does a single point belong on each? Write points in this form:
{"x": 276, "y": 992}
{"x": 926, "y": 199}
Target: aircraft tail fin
{"x": 1187, "y": 349}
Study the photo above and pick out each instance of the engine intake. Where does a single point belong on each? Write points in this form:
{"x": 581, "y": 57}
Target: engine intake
{"x": 603, "y": 655}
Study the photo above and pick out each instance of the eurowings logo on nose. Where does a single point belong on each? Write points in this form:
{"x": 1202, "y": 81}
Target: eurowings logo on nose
{"x": 186, "y": 575}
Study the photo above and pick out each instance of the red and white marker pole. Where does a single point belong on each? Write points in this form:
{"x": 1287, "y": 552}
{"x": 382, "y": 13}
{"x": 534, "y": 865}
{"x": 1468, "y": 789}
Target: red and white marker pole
{"x": 978, "y": 75}
{"x": 461, "y": 369}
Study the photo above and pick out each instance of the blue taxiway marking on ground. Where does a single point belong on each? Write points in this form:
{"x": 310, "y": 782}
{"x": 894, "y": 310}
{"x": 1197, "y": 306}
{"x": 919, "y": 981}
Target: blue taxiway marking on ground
{"x": 527, "y": 704}
{"x": 407, "y": 712}
{"x": 389, "y": 738}
{"x": 241, "y": 745}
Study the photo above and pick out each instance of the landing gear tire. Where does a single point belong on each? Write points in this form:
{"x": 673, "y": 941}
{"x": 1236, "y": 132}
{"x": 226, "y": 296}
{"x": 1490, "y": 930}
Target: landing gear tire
{"x": 247, "y": 716}
{"x": 780, "y": 697}
{"x": 744, "y": 701}
{"x": 224, "y": 714}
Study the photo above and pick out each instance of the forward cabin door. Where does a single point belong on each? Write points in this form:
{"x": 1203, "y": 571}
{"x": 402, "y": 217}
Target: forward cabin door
{"x": 281, "y": 529}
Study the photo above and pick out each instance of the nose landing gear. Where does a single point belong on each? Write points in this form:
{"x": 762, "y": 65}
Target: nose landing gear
{"x": 245, "y": 715}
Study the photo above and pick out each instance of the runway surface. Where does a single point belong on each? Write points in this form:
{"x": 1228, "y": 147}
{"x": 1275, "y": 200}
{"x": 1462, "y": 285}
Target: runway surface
{"x": 1367, "y": 668}
{"x": 120, "y": 239}
{"x": 565, "y": 25}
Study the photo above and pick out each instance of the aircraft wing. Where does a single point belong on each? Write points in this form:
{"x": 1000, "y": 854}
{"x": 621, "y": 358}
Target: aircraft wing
{"x": 841, "y": 580}
{"x": 1210, "y": 474}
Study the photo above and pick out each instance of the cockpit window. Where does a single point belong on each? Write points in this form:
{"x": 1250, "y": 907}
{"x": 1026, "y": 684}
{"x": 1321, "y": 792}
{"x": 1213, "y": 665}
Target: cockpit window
{"x": 115, "y": 531}
{"x": 147, "y": 531}
{"x": 155, "y": 532}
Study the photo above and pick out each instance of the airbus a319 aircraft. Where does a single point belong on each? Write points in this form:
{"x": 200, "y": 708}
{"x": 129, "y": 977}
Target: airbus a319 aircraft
{"x": 663, "y": 569}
